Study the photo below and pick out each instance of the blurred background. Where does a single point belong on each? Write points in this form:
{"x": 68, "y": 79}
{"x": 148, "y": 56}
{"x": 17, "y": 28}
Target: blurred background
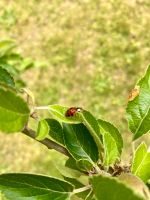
{"x": 86, "y": 53}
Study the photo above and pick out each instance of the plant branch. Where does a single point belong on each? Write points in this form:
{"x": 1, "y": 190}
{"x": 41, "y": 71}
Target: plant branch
{"x": 41, "y": 108}
{"x": 98, "y": 170}
{"x": 47, "y": 142}
{"x": 82, "y": 189}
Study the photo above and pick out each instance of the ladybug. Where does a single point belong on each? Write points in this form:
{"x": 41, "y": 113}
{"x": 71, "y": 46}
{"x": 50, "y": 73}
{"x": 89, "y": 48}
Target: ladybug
{"x": 72, "y": 111}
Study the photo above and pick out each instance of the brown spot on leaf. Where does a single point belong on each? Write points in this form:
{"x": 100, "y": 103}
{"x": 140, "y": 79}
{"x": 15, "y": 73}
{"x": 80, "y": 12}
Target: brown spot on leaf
{"x": 134, "y": 93}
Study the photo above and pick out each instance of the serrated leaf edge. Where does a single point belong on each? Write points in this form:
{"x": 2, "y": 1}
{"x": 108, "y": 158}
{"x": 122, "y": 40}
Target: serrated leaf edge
{"x": 144, "y": 145}
{"x": 8, "y": 75}
{"x": 47, "y": 189}
{"x": 124, "y": 184}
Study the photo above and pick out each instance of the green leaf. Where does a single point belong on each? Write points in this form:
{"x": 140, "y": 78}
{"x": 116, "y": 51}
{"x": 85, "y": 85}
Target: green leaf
{"x": 111, "y": 153}
{"x": 42, "y": 130}
{"x": 112, "y": 142}
{"x": 14, "y": 112}
{"x": 136, "y": 184}
{"x": 138, "y": 109}
{"x": 34, "y": 187}
{"x": 113, "y": 131}
{"x": 141, "y": 162}
{"x": 6, "y": 78}
{"x": 75, "y": 165}
{"x": 72, "y": 164}
{"x": 5, "y": 43}
{"x": 60, "y": 169}
{"x": 84, "y": 164}
{"x": 12, "y": 70}
{"x": 20, "y": 83}
{"x": 80, "y": 144}
{"x": 26, "y": 64}
{"x": 74, "y": 182}
{"x": 92, "y": 125}
{"x": 12, "y": 58}
{"x": 59, "y": 112}
{"x": 107, "y": 188}
{"x": 56, "y": 131}
{"x": 6, "y": 47}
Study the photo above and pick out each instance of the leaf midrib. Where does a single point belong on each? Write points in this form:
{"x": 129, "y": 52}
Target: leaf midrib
{"x": 32, "y": 186}
{"x": 93, "y": 132}
{"x": 12, "y": 111}
{"x": 62, "y": 116}
{"x": 142, "y": 120}
{"x": 138, "y": 168}
{"x": 79, "y": 144}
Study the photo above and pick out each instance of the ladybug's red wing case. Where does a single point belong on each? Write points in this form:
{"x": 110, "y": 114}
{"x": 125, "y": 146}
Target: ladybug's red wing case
{"x": 72, "y": 111}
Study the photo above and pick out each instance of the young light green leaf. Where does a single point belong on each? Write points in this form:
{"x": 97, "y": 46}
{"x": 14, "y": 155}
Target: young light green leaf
{"x": 59, "y": 113}
{"x": 56, "y": 131}
{"x": 92, "y": 125}
{"x": 138, "y": 108}
{"x": 14, "y": 111}
{"x": 112, "y": 142}
{"x": 42, "y": 130}
{"x": 111, "y": 153}
{"x": 113, "y": 131}
{"x": 107, "y": 188}
{"x": 141, "y": 162}
{"x": 35, "y": 187}
{"x": 80, "y": 144}
{"x": 6, "y": 78}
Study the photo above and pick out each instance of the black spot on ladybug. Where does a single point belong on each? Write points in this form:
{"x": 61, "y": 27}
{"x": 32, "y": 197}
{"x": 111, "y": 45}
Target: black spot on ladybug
{"x": 72, "y": 111}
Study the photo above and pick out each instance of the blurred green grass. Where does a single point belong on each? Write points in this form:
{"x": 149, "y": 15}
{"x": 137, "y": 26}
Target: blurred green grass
{"x": 95, "y": 50}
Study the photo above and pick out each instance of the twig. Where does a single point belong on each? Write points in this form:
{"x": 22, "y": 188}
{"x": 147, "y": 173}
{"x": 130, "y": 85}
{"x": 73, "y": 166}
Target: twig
{"x": 47, "y": 142}
{"x": 41, "y": 108}
{"x": 133, "y": 148}
{"x": 82, "y": 189}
